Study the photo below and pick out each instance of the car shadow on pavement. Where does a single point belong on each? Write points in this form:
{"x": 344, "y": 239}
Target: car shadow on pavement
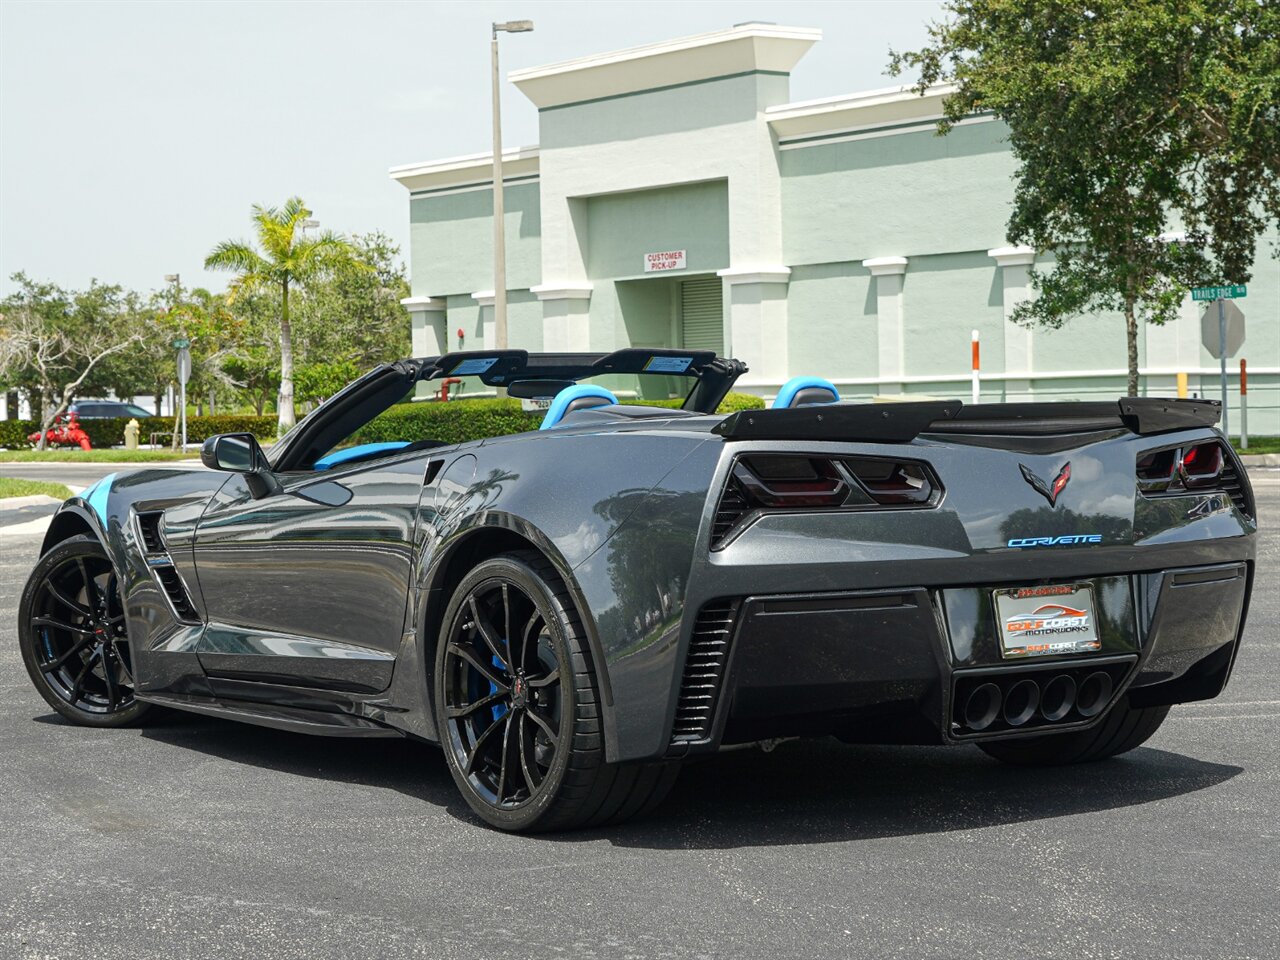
{"x": 410, "y": 767}
{"x": 808, "y": 791}
{"x": 823, "y": 791}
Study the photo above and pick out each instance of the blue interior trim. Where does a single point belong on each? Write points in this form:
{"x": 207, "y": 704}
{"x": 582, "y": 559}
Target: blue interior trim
{"x": 560, "y": 405}
{"x": 96, "y": 496}
{"x": 793, "y": 386}
{"x": 354, "y": 453}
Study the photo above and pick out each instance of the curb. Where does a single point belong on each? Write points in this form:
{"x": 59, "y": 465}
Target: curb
{"x": 1260, "y": 459}
{"x": 15, "y": 503}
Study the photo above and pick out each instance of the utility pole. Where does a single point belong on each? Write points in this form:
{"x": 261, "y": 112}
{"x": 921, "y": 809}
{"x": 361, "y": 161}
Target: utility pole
{"x": 499, "y": 212}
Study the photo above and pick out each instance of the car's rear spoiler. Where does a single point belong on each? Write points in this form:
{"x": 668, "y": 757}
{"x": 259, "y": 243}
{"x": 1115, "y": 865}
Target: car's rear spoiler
{"x": 903, "y": 422}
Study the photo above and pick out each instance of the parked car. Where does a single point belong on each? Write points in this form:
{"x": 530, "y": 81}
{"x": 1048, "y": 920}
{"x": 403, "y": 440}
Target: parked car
{"x": 106, "y": 409}
{"x": 573, "y": 611}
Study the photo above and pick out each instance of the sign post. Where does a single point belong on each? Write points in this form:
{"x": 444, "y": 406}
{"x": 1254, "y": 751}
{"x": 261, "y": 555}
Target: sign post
{"x": 1220, "y": 349}
{"x": 182, "y": 345}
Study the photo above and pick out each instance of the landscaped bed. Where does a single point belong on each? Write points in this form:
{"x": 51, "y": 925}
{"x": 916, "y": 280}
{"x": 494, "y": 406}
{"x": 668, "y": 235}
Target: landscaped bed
{"x": 13, "y": 487}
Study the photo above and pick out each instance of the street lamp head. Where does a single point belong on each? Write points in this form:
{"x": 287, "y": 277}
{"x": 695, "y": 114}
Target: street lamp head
{"x": 171, "y": 277}
{"x": 513, "y": 26}
{"x": 309, "y": 224}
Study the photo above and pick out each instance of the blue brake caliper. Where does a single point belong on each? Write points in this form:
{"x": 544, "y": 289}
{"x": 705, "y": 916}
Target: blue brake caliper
{"x": 500, "y": 709}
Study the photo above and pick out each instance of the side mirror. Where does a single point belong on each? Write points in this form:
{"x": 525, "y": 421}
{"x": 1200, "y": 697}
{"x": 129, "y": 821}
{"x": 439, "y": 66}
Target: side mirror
{"x": 240, "y": 453}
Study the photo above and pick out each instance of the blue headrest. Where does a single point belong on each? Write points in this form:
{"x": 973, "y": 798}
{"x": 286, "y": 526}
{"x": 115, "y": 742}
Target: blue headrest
{"x": 796, "y": 392}
{"x": 566, "y": 398}
{"x": 352, "y": 453}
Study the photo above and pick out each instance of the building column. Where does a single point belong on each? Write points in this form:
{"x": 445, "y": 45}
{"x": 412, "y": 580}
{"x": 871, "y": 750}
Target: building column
{"x": 427, "y": 326}
{"x": 566, "y": 321}
{"x": 889, "y": 273}
{"x": 755, "y": 329}
{"x": 1015, "y": 280}
{"x": 488, "y": 338}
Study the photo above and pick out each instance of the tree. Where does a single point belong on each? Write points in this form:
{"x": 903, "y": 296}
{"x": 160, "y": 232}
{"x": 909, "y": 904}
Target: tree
{"x": 286, "y": 260}
{"x": 51, "y": 341}
{"x": 1147, "y": 137}
{"x": 355, "y": 313}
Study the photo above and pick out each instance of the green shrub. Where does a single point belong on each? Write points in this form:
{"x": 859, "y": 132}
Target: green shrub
{"x": 14, "y": 433}
{"x": 110, "y": 432}
{"x": 454, "y": 422}
{"x": 461, "y": 420}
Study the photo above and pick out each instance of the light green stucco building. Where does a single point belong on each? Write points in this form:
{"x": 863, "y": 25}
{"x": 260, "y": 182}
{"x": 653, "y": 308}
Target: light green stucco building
{"x": 837, "y": 237}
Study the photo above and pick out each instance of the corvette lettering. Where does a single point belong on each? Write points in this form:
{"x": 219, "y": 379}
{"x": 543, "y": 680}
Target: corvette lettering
{"x": 1071, "y": 540}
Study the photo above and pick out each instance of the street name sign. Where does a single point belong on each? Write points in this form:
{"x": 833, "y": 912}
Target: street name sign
{"x": 1229, "y": 292}
{"x": 181, "y": 343}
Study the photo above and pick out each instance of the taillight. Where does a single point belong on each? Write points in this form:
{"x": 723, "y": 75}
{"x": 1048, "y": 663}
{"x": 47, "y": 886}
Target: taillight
{"x": 773, "y": 482}
{"x": 1194, "y": 468}
{"x": 1201, "y": 465}
{"x": 791, "y": 481}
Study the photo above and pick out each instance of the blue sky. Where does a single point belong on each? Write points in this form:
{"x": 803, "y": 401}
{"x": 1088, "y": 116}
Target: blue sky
{"x": 133, "y": 136}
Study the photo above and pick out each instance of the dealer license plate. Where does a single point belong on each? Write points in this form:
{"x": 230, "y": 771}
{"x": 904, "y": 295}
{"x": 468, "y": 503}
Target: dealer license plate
{"x": 1046, "y": 621}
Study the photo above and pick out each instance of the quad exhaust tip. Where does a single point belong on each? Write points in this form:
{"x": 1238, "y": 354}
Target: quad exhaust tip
{"x": 1049, "y": 698}
{"x": 1095, "y": 691}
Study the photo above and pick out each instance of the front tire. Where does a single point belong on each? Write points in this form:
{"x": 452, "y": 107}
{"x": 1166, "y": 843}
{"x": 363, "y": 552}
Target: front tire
{"x": 518, "y": 707}
{"x": 71, "y": 630}
{"x": 1123, "y": 729}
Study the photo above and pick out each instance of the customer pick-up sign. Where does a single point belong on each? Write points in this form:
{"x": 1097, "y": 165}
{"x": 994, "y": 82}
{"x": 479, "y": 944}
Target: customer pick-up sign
{"x": 664, "y": 260}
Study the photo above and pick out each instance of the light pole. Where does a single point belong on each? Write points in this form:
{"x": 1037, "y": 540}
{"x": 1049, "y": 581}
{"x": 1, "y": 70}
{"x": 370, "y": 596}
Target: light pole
{"x": 499, "y": 213}
{"x": 183, "y": 364}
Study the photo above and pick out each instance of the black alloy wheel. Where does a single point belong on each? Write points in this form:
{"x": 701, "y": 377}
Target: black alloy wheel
{"x": 502, "y": 697}
{"x": 518, "y": 710}
{"x": 74, "y": 639}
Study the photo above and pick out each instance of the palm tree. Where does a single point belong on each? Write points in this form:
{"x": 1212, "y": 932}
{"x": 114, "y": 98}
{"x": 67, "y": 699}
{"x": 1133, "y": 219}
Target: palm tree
{"x": 287, "y": 258}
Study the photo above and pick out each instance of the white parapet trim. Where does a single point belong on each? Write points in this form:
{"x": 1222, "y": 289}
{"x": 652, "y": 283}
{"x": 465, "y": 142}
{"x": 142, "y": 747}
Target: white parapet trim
{"x": 886, "y": 266}
{"x": 484, "y": 297}
{"x": 744, "y": 48}
{"x": 472, "y": 170}
{"x": 1021, "y": 256}
{"x": 562, "y": 291}
{"x": 857, "y": 112}
{"x": 772, "y": 274}
{"x": 423, "y": 304}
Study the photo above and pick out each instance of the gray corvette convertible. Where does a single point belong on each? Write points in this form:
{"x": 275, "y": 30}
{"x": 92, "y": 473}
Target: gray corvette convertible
{"x": 572, "y": 611}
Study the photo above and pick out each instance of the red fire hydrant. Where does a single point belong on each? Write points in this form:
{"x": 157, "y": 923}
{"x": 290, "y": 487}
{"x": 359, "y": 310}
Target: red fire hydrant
{"x": 66, "y": 431}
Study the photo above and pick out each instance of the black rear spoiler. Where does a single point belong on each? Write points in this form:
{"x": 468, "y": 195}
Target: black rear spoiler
{"x": 903, "y": 422}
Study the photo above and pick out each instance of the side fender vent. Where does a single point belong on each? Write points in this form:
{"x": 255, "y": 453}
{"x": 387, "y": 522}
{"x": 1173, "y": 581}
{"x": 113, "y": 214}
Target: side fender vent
{"x": 704, "y": 670}
{"x": 149, "y": 527}
{"x": 176, "y": 591}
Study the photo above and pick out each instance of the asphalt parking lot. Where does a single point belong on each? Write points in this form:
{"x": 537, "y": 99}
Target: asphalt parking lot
{"x": 203, "y": 838}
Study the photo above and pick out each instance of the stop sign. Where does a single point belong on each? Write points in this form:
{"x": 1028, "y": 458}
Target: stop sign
{"x": 1235, "y": 329}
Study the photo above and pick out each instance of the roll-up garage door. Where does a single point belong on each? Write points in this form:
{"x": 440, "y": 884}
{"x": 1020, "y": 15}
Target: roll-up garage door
{"x": 702, "y": 314}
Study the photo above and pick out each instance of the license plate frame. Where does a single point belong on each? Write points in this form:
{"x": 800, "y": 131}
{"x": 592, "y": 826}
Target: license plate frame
{"x": 1028, "y": 625}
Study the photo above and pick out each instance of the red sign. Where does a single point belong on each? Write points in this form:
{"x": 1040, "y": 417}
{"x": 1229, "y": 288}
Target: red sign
{"x": 664, "y": 260}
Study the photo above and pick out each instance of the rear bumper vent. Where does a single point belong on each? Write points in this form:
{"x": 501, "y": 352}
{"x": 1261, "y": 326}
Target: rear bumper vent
{"x": 704, "y": 670}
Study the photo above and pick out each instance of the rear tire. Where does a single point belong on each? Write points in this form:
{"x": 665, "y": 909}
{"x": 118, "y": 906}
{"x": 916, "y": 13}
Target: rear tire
{"x": 1123, "y": 729}
{"x": 517, "y": 706}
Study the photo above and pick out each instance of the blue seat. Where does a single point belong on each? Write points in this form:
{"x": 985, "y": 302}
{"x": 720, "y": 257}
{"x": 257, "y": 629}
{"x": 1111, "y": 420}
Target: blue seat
{"x": 357, "y": 452}
{"x": 801, "y": 391}
{"x": 578, "y": 397}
